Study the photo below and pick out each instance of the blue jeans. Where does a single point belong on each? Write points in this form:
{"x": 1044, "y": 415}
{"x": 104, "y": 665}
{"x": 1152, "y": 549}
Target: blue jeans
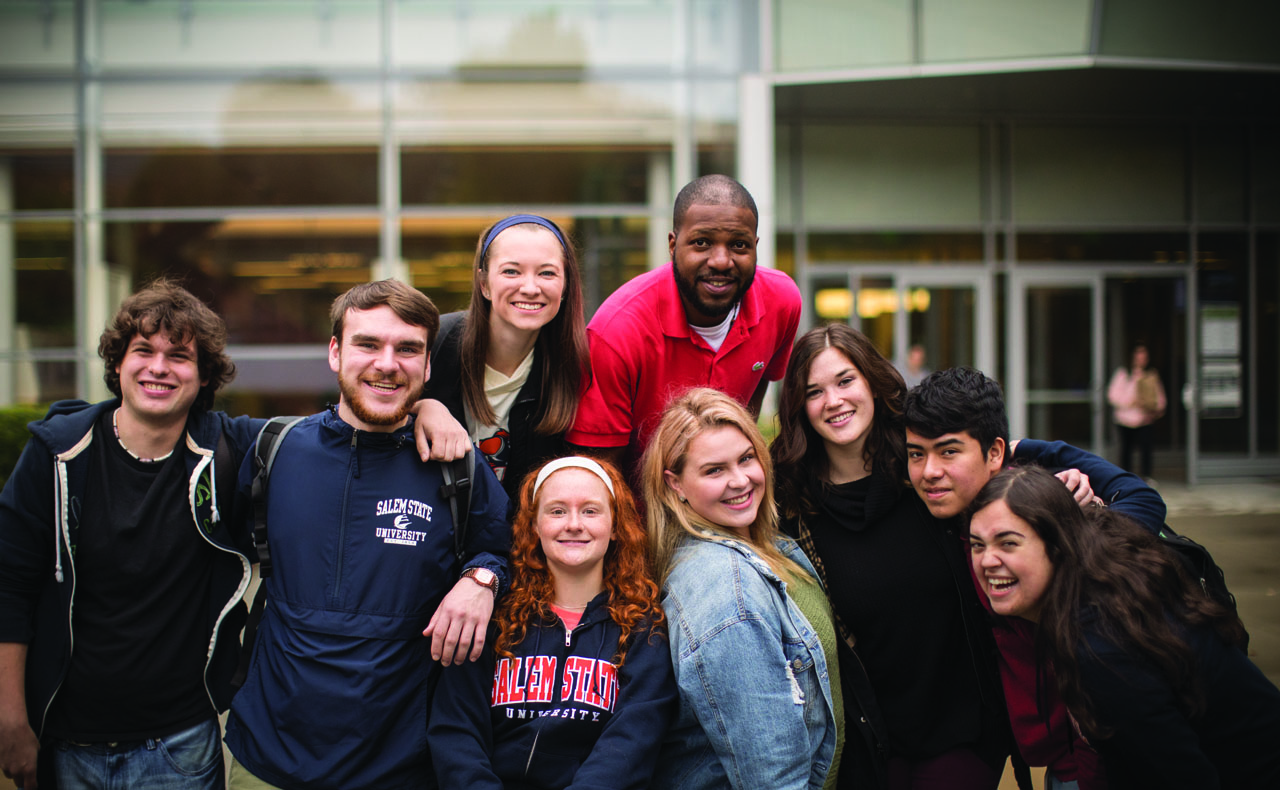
{"x": 187, "y": 760}
{"x": 1052, "y": 782}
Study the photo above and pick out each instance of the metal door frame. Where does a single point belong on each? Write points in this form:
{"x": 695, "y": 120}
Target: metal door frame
{"x": 1017, "y": 397}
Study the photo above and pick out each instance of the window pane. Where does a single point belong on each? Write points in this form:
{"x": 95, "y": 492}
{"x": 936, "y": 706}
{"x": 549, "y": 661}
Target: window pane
{"x": 875, "y": 302}
{"x": 895, "y": 247}
{"x": 42, "y": 271}
{"x": 1068, "y": 422}
{"x": 1095, "y": 174}
{"x": 1004, "y": 29}
{"x": 42, "y": 180}
{"x": 612, "y": 250}
{"x": 941, "y": 320}
{"x": 307, "y": 111}
{"x": 641, "y": 113}
{"x": 164, "y": 34}
{"x": 1160, "y": 248}
{"x": 37, "y": 34}
{"x": 515, "y": 176}
{"x": 37, "y": 114}
{"x": 271, "y": 279}
{"x": 568, "y": 39}
{"x": 186, "y": 177}
{"x": 37, "y": 354}
{"x": 1059, "y": 352}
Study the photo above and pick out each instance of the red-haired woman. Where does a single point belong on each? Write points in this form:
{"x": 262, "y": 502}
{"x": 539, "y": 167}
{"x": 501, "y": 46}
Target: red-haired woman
{"x": 578, "y": 690}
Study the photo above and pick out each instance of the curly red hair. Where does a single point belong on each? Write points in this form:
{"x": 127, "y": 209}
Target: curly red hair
{"x": 628, "y": 578}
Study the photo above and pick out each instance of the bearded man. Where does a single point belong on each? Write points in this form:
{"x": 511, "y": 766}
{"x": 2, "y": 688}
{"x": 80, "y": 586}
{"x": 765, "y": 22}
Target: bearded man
{"x": 709, "y": 319}
{"x": 338, "y": 687}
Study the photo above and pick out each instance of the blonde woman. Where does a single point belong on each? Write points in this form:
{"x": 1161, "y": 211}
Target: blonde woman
{"x": 751, "y": 636}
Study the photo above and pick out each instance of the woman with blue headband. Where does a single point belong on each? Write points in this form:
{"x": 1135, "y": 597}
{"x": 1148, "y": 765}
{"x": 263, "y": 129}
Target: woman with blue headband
{"x": 578, "y": 689}
{"x": 512, "y": 367}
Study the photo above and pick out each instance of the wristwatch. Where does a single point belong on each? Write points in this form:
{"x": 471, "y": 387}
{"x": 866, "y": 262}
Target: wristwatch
{"x": 483, "y": 577}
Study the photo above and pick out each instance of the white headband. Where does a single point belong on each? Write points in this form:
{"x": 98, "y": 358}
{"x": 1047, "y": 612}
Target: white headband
{"x": 574, "y": 461}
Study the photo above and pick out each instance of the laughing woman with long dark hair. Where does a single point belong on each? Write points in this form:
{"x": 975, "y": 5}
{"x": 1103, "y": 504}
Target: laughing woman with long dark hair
{"x": 1151, "y": 668}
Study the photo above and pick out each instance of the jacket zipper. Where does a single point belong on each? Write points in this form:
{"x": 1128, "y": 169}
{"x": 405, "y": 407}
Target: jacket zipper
{"x": 246, "y": 576}
{"x": 63, "y": 533}
{"x": 342, "y": 521}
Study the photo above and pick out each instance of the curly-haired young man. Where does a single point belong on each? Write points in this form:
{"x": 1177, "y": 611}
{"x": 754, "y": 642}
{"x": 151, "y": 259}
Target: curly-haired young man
{"x": 120, "y": 577}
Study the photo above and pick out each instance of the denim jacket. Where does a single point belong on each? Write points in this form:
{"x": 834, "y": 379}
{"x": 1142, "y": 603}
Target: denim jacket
{"x": 755, "y": 698}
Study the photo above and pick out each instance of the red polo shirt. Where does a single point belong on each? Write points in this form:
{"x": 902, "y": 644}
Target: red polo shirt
{"x": 643, "y": 354}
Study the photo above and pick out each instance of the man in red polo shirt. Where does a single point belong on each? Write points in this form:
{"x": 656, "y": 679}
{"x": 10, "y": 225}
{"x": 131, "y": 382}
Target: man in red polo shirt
{"x": 710, "y": 319}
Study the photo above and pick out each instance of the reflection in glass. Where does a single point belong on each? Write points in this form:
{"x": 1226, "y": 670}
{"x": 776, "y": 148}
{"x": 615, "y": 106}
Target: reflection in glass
{"x": 1068, "y": 422}
{"x": 42, "y": 381}
{"x": 942, "y": 320}
{"x": 1152, "y": 311}
{"x": 1059, "y": 349}
{"x": 526, "y": 175}
{"x": 190, "y": 177}
{"x": 162, "y": 34}
{"x": 271, "y": 279}
{"x": 43, "y": 266}
{"x": 38, "y": 35}
{"x": 43, "y": 180}
{"x": 876, "y": 303}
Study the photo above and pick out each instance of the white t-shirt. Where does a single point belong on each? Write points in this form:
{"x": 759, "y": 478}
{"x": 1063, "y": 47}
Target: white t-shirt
{"x": 501, "y": 391}
{"x": 715, "y": 335}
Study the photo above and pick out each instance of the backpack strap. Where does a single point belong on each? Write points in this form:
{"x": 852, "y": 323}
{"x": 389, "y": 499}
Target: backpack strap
{"x": 458, "y": 475}
{"x": 264, "y": 456}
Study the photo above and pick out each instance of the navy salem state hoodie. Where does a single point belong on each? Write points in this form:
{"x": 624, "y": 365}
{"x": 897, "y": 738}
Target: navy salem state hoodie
{"x": 559, "y": 713}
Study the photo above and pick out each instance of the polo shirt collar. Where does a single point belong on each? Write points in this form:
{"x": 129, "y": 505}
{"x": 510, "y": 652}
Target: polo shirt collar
{"x": 676, "y": 324}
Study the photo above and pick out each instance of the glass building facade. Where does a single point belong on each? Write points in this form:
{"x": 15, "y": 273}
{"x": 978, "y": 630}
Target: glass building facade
{"x": 1028, "y": 187}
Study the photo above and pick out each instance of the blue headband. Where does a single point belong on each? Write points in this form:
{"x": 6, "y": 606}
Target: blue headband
{"x": 521, "y": 219}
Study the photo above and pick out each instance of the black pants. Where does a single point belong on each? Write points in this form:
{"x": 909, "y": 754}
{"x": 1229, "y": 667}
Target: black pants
{"x": 1142, "y": 438}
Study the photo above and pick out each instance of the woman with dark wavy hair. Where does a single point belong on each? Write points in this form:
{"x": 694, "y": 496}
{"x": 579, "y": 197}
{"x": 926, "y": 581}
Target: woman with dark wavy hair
{"x": 578, "y": 690}
{"x": 1152, "y": 668}
{"x": 921, "y": 696}
{"x": 512, "y": 367}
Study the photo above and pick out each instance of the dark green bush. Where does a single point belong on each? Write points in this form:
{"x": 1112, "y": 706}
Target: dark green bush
{"x": 14, "y": 434}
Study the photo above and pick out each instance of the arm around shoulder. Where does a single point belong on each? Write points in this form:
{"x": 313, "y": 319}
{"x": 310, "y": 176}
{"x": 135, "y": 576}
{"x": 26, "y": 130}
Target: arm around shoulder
{"x": 1122, "y": 491}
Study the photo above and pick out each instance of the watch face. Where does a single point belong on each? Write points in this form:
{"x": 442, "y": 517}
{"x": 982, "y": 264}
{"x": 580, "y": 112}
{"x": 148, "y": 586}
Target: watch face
{"x": 484, "y": 576}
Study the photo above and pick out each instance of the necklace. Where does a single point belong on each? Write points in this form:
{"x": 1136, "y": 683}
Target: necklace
{"x": 115, "y": 427}
{"x": 570, "y": 608}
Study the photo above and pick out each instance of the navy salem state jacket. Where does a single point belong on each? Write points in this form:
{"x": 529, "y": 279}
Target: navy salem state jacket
{"x": 337, "y": 693}
{"x": 558, "y": 714}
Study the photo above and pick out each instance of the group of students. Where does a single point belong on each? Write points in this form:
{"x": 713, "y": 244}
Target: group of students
{"x": 873, "y": 600}
{"x": 796, "y": 615}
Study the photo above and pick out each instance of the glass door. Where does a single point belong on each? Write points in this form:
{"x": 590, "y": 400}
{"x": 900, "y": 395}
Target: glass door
{"x": 946, "y": 313}
{"x": 1055, "y": 355}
